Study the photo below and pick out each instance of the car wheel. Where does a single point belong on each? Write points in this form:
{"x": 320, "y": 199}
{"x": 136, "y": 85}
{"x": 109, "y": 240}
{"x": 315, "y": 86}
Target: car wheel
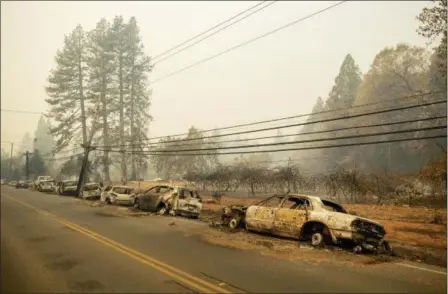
{"x": 107, "y": 201}
{"x": 163, "y": 210}
{"x": 234, "y": 223}
{"x": 136, "y": 204}
{"x": 317, "y": 239}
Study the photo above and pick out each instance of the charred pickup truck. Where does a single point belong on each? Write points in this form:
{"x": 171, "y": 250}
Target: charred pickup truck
{"x": 172, "y": 200}
{"x": 308, "y": 218}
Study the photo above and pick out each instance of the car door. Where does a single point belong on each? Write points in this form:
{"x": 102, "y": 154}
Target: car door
{"x": 291, "y": 216}
{"x": 105, "y": 193}
{"x": 122, "y": 194}
{"x": 260, "y": 217}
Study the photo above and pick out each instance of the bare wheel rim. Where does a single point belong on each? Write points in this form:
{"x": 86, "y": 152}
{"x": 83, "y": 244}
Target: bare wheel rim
{"x": 233, "y": 223}
{"x": 162, "y": 210}
{"x": 317, "y": 239}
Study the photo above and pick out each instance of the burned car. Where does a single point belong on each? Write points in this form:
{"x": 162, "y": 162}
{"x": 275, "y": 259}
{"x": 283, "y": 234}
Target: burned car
{"x": 308, "y": 218}
{"x": 173, "y": 200}
{"x": 21, "y": 184}
{"x": 91, "y": 191}
{"x": 67, "y": 188}
{"x": 41, "y": 179}
{"x": 46, "y": 186}
{"x": 118, "y": 195}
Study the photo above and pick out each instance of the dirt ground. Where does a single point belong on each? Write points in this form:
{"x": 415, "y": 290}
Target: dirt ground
{"x": 410, "y": 230}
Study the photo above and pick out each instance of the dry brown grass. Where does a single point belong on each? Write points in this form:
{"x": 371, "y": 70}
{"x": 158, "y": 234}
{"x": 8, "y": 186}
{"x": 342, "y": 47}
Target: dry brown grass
{"x": 150, "y": 184}
{"x": 403, "y": 224}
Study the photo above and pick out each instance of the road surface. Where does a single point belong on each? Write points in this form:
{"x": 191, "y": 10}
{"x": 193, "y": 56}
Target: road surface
{"x": 51, "y": 243}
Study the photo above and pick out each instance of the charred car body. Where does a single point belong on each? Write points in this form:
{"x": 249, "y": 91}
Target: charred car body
{"x": 309, "y": 218}
{"x": 41, "y": 179}
{"x": 91, "y": 191}
{"x": 67, "y": 188}
{"x": 118, "y": 195}
{"x": 173, "y": 200}
{"x": 21, "y": 184}
{"x": 46, "y": 186}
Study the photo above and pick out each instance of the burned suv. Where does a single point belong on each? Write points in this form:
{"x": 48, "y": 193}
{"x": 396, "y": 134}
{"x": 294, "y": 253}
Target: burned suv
{"x": 170, "y": 200}
{"x": 308, "y": 218}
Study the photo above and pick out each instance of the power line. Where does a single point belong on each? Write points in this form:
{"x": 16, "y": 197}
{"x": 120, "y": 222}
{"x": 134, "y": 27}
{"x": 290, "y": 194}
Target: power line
{"x": 210, "y": 29}
{"x": 421, "y": 95}
{"x": 22, "y": 111}
{"x": 173, "y": 152}
{"x": 247, "y": 42}
{"x": 7, "y": 142}
{"x": 214, "y": 33}
{"x": 306, "y": 148}
{"x": 306, "y": 123}
{"x": 62, "y": 158}
{"x": 62, "y": 151}
{"x": 305, "y": 133}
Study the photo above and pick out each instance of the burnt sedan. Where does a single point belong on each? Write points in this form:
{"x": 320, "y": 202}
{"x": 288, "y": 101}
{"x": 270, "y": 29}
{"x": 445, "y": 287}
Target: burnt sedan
{"x": 309, "y": 218}
{"x": 171, "y": 200}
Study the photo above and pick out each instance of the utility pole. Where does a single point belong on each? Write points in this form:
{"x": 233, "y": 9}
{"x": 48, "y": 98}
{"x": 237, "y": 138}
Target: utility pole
{"x": 10, "y": 161}
{"x": 27, "y": 154}
{"x": 87, "y": 148}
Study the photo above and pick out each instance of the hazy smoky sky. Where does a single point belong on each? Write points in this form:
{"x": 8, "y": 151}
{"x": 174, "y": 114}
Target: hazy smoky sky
{"x": 280, "y": 75}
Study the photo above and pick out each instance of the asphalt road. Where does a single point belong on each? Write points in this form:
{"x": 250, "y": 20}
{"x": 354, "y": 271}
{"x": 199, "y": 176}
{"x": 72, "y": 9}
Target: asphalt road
{"x": 51, "y": 243}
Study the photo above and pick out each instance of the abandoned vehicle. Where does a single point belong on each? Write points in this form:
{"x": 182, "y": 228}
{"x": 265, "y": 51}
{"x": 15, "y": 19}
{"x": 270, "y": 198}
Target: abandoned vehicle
{"x": 91, "y": 191}
{"x": 118, "y": 195}
{"x": 172, "y": 200}
{"x": 67, "y": 188}
{"x": 307, "y": 218}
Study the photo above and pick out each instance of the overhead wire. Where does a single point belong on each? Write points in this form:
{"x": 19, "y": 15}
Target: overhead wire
{"x": 301, "y": 148}
{"x": 300, "y": 134}
{"x": 418, "y": 95}
{"x": 304, "y": 123}
{"x": 22, "y": 111}
{"x": 247, "y": 42}
{"x": 208, "y": 30}
{"x": 174, "y": 151}
{"x": 214, "y": 33}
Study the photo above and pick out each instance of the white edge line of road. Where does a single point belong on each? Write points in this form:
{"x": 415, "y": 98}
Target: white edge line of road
{"x": 422, "y": 268}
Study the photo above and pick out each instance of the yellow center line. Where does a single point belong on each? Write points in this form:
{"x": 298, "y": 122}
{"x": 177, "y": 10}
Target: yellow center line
{"x": 169, "y": 270}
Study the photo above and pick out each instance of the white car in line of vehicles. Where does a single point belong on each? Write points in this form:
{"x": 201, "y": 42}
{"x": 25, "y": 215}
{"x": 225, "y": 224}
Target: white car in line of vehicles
{"x": 118, "y": 195}
{"x": 91, "y": 191}
{"x": 40, "y": 180}
{"x": 46, "y": 186}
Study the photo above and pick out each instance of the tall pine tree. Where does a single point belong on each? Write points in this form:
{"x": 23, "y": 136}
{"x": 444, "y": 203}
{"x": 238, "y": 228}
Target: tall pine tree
{"x": 139, "y": 65}
{"x": 101, "y": 76}
{"x": 66, "y": 90}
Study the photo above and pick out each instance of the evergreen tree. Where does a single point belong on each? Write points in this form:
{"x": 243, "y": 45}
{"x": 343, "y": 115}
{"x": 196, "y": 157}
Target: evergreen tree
{"x": 121, "y": 48}
{"x": 434, "y": 24}
{"x": 101, "y": 65}
{"x": 139, "y": 66}
{"x": 66, "y": 90}
{"x": 43, "y": 140}
{"x": 36, "y": 164}
{"x": 346, "y": 85}
{"x": 26, "y": 144}
{"x": 342, "y": 96}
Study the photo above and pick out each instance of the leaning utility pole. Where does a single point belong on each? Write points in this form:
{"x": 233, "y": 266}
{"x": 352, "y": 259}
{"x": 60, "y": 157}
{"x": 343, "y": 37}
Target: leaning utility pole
{"x": 87, "y": 148}
{"x": 27, "y": 154}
